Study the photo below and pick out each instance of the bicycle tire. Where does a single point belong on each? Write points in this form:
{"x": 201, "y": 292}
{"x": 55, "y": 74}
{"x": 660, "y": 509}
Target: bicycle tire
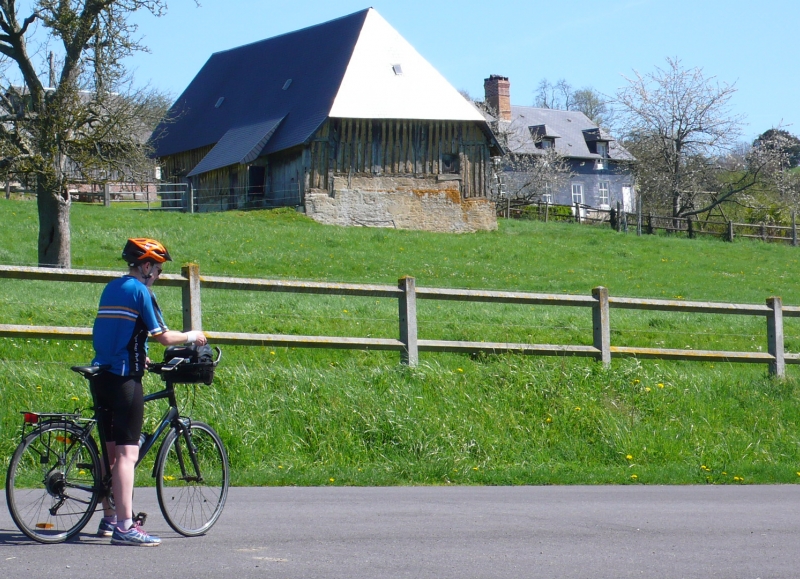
{"x": 191, "y": 506}
{"x": 52, "y": 483}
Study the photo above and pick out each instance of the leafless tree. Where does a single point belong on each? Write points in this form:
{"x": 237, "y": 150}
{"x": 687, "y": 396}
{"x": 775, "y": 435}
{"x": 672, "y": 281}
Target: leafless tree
{"x": 587, "y": 100}
{"x": 554, "y": 96}
{"x": 679, "y": 125}
{"x": 85, "y": 120}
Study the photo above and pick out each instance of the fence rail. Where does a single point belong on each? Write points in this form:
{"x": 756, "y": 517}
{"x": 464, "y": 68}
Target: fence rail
{"x": 408, "y": 342}
{"x": 650, "y": 224}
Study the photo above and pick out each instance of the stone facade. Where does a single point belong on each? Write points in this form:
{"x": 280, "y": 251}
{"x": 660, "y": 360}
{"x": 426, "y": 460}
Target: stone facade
{"x": 427, "y": 204}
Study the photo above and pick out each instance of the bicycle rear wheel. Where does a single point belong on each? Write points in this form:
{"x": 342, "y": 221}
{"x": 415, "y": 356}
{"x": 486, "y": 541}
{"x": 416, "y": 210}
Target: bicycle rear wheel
{"x": 191, "y": 498}
{"x": 52, "y": 482}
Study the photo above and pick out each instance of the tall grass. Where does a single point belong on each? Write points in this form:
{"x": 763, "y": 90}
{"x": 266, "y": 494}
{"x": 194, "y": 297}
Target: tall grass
{"x": 293, "y": 416}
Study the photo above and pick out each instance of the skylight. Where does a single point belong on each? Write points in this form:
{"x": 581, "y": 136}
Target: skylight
{"x": 398, "y": 69}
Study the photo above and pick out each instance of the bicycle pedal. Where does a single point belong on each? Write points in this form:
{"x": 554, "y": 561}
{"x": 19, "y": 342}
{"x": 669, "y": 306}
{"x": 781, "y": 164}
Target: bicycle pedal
{"x": 140, "y": 519}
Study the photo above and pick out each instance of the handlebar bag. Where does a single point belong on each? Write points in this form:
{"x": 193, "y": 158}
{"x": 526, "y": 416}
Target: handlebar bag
{"x": 198, "y": 367}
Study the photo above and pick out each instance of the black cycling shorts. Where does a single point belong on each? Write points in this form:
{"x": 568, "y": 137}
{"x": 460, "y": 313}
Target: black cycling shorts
{"x": 122, "y": 401}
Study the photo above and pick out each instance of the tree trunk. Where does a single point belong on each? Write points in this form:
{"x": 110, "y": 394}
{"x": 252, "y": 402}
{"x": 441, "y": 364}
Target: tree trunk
{"x": 676, "y": 211}
{"x": 54, "y": 234}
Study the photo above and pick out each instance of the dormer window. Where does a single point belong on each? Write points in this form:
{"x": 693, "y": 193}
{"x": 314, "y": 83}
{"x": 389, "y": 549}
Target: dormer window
{"x": 543, "y": 136}
{"x": 602, "y": 149}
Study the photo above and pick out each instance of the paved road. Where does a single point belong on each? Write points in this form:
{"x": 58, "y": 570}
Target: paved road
{"x": 451, "y": 532}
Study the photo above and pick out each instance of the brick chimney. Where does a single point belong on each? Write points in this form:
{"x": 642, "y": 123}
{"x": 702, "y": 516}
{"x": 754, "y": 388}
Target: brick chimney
{"x": 497, "y": 90}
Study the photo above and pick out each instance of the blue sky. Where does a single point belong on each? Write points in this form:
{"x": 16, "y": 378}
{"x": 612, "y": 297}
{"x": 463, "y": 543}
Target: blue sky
{"x": 588, "y": 43}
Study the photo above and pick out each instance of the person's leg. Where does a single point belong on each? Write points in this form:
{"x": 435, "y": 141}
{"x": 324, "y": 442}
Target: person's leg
{"x": 122, "y": 479}
{"x": 108, "y": 510}
{"x": 127, "y": 426}
{"x": 103, "y": 389}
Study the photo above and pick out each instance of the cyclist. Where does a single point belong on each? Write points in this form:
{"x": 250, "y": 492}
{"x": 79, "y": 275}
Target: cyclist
{"x": 126, "y": 316}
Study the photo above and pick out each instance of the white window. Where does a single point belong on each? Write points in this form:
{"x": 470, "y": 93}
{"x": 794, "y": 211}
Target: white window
{"x": 602, "y": 149}
{"x": 603, "y": 189}
{"x": 577, "y": 193}
{"x": 547, "y": 198}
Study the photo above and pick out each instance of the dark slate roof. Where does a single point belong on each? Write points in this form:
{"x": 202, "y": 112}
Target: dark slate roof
{"x": 239, "y": 145}
{"x": 251, "y": 79}
{"x": 570, "y": 126}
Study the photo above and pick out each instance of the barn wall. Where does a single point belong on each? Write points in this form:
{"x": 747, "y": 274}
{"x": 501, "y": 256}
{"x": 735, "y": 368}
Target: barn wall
{"x": 429, "y": 175}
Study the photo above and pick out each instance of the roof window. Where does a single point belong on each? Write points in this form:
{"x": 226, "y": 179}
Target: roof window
{"x": 398, "y": 69}
{"x": 219, "y": 102}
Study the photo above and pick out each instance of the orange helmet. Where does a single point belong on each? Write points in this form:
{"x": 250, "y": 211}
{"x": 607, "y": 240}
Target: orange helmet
{"x": 142, "y": 249}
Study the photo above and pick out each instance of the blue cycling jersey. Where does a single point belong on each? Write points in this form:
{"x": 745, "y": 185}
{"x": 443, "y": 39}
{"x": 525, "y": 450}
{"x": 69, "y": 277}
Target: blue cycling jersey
{"x": 128, "y": 313}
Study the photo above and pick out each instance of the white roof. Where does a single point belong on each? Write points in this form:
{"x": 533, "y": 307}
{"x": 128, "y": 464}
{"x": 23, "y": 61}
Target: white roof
{"x": 374, "y": 88}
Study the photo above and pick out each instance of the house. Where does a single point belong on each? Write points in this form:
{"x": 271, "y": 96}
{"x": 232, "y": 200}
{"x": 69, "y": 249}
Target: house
{"x": 344, "y": 120}
{"x": 599, "y": 168}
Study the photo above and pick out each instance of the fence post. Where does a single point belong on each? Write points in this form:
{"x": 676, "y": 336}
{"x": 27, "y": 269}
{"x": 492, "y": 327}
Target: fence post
{"x": 546, "y": 210}
{"x": 408, "y": 320}
{"x": 763, "y": 232}
{"x": 649, "y": 224}
{"x": 107, "y": 195}
{"x": 777, "y": 367}
{"x": 794, "y": 228}
{"x": 730, "y": 231}
{"x": 191, "y": 197}
{"x": 690, "y": 228}
{"x": 601, "y": 326}
{"x": 190, "y": 297}
{"x": 639, "y": 219}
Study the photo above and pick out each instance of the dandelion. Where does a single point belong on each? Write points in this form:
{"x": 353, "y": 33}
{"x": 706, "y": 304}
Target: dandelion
{"x": 634, "y": 477}
{"x": 636, "y": 381}
{"x": 660, "y": 385}
{"x": 629, "y": 456}
{"x": 74, "y": 398}
{"x": 331, "y": 479}
{"x": 271, "y": 353}
{"x": 577, "y": 409}
{"x": 548, "y": 420}
{"x": 647, "y": 389}
{"x": 280, "y": 466}
{"x": 460, "y": 369}
{"x": 738, "y": 478}
{"x": 345, "y": 311}
{"x": 474, "y": 468}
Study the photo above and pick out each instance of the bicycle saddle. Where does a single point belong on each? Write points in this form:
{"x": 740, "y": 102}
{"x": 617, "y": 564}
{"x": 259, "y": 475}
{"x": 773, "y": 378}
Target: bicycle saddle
{"x": 89, "y": 371}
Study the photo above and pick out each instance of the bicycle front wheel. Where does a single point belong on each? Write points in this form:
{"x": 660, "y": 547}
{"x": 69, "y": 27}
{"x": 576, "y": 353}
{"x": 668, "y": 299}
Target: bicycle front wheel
{"x": 192, "y": 478}
{"x": 52, "y": 484}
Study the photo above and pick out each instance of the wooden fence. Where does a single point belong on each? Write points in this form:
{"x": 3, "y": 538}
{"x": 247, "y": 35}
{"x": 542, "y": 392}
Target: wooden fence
{"x": 650, "y": 224}
{"x": 408, "y": 343}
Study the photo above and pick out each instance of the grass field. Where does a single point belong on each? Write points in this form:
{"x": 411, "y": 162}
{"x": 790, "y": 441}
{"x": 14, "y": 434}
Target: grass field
{"x": 293, "y": 416}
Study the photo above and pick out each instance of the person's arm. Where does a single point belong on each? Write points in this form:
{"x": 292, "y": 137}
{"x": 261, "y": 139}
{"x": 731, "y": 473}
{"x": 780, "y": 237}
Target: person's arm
{"x": 173, "y": 338}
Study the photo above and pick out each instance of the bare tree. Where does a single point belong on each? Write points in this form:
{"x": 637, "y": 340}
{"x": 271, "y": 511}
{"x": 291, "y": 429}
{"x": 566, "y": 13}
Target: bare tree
{"x": 587, "y": 100}
{"x": 85, "y": 120}
{"x": 554, "y": 96}
{"x": 679, "y": 125}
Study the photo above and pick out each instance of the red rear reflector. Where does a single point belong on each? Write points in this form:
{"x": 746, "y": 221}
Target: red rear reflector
{"x": 31, "y": 418}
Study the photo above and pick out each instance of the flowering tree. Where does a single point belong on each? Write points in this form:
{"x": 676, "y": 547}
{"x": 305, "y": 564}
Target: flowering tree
{"x": 678, "y": 124}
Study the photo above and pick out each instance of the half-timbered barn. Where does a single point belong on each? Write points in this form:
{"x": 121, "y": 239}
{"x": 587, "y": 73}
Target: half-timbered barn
{"x": 344, "y": 120}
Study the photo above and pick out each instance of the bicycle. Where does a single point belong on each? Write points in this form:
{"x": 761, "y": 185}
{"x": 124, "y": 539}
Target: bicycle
{"x": 55, "y": 479}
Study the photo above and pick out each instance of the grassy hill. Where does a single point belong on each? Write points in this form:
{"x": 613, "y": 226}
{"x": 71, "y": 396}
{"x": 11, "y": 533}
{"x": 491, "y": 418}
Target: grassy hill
{"x": 293, "y": 416}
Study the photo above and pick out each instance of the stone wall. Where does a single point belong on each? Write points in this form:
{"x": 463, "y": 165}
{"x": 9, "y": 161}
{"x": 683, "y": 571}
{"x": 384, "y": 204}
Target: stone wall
{"x": 400, "y": 202}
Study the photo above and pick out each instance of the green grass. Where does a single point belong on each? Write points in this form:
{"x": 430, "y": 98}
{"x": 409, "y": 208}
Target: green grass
{"x": 294, "y": 416}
